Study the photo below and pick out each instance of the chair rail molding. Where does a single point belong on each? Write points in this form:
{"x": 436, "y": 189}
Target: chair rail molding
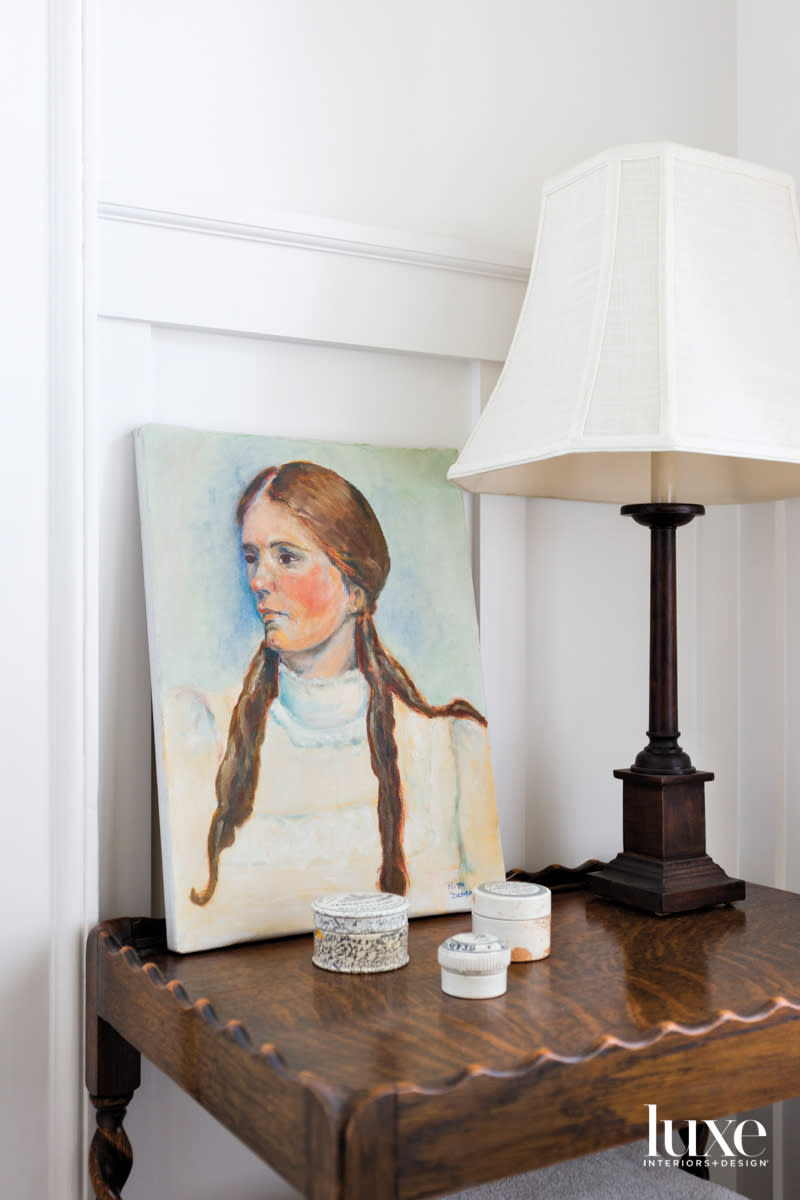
{"x": 309, "y": 279}
{"x": 338, "y": 237}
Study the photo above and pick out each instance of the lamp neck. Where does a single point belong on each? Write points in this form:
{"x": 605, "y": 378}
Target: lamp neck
{"x": 663, "y": 755}
{"x": 663, "y": 476}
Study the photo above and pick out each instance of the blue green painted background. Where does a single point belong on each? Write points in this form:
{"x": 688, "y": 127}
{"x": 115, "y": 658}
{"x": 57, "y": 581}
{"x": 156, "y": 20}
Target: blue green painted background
{"x": 202, "y": 620}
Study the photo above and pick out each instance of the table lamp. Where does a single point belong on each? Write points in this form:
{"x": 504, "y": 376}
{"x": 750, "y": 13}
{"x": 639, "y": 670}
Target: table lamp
{"x": 655, "y": 364}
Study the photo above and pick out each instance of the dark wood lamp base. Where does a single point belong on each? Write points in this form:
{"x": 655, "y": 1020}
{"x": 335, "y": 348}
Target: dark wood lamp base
{"x": 663, "y": 867}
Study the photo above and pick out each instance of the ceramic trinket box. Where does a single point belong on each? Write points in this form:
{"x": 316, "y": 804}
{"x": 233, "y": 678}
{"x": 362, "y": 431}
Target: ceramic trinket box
{"x": 516, "y": 912}
{"x": 474, "y": 966}
{"x": 360, "y": 932}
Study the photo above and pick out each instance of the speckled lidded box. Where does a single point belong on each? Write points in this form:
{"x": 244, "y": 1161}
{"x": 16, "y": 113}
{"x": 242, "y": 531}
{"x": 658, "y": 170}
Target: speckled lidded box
{"x": 517, "y": 912}
{"x": 360, "y": 932}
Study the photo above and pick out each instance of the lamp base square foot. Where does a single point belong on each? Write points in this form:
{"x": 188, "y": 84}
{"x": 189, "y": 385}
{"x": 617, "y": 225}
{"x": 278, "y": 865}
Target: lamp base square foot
{"x": 665, "y": 886}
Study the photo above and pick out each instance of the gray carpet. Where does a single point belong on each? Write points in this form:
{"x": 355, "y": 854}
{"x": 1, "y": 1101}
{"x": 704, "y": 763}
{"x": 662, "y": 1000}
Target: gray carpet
{"x": 617, "y": 1174}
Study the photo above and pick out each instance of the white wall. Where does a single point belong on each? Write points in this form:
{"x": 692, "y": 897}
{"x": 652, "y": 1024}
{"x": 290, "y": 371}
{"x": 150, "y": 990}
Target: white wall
{"x": 438, "y": 118}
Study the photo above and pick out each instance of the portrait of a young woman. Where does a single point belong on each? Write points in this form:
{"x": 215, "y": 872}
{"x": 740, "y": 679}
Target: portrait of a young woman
{"x": 325, "y": 768}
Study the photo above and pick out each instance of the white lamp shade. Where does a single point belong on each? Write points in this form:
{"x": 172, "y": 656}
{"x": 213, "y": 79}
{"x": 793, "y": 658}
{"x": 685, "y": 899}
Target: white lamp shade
{"x": 662, "y": 316}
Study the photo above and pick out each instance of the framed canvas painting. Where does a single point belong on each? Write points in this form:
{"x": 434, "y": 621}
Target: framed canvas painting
{"x": 317, "y": 697}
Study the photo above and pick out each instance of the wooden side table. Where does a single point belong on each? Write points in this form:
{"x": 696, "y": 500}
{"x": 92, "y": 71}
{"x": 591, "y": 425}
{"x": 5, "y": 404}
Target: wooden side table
{"x": 361, "y": 1086}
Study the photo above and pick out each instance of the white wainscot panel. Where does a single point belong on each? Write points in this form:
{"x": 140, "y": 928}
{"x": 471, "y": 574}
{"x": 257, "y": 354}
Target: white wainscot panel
{"x": 588, "y": 605}
{"x": 301, "y": 389}
{"x": 124, "y": 396}
{"x": 713, "y": 672}
{"x": 503, "y": 622}
{"x": 762, "y": 702}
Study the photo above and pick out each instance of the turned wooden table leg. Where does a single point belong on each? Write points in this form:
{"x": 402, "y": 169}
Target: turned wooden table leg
{"x": 110, "y": 1153}
{"x": 112, "y": 1076}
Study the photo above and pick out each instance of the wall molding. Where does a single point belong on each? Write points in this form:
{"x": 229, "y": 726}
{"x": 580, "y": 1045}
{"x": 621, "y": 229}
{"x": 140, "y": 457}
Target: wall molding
{"x": 381, "y": 245}
{"x": 308, "y": 279}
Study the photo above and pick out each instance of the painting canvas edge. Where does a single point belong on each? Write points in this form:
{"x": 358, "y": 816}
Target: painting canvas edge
{"x": 164, "y": 817}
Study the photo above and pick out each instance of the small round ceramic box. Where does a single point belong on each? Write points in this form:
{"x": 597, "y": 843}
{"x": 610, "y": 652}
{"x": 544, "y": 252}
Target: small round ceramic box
{"x": 474, "y": 966}
{"x": 517, "y": 912}
{"x": 360, "y": 932}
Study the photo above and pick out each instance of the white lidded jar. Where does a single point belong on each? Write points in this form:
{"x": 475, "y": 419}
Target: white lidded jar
{"x": 360, "y": 932}
{"x": 474, "y": 966}
{"x": 516, "y": 912}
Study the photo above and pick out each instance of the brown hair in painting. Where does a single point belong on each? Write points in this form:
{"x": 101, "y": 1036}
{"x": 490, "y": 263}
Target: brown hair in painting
{"x": 343, "y": 525}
